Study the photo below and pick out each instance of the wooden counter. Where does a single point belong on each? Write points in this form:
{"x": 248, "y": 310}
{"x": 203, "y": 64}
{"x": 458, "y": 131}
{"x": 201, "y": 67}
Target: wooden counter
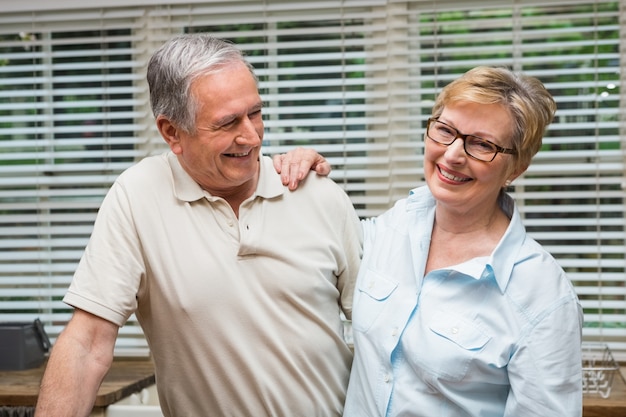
{"x": 20, "y": 388}
{"x": 613, "y": 406}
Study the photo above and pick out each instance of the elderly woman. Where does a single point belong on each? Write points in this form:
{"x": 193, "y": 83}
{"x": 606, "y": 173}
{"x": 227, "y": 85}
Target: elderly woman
{"x": 457, "y": 311}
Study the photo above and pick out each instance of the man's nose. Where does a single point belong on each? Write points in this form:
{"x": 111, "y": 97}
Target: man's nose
{"x": 249, "y": 132}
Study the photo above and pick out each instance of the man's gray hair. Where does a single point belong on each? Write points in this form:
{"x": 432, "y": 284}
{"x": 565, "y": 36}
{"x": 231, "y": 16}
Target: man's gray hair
{"x": 177, "y": 64}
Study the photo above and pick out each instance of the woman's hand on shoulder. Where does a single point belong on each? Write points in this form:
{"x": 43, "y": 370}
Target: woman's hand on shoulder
{"x": 296, "y": 164}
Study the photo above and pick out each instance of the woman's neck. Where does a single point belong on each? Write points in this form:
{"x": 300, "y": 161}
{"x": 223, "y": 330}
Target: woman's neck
{"x": 459, "y": 238}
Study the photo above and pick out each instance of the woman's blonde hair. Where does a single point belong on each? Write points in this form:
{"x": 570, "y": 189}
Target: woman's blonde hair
{"x": 529, "y": 103}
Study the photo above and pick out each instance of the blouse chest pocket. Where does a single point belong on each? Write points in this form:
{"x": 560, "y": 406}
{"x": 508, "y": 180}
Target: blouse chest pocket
{"x": 373, "y": 290}
{"x": 450, "y": 344}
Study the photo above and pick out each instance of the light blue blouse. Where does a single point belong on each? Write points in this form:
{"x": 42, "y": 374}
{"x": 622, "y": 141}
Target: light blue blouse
{"x": 494, "y": 336}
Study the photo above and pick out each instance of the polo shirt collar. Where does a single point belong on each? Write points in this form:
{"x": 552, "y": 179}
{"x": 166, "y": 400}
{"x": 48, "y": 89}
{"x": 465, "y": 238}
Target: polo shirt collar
{"x": 269, "y": 185}
{"x": 186, "y": 189}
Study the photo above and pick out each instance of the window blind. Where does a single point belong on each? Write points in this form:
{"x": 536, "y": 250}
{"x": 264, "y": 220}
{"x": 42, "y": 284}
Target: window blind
{"x": 71, "y": 119}
{"x": 356, "y": 80}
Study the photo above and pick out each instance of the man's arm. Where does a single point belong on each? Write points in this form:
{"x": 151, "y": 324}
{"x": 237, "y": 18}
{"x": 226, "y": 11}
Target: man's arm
{"x": 296, "y": 164}
{"x": 80, "y": 359}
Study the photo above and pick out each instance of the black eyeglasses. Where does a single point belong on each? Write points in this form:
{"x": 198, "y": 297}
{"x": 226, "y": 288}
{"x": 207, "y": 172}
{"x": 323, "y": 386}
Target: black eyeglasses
{"x": 475, "y": 147}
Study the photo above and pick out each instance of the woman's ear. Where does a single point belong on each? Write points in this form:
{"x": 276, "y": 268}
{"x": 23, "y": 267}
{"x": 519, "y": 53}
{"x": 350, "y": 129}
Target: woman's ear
{"x": 170, "y": 133}
{"x": 515, "y": 174}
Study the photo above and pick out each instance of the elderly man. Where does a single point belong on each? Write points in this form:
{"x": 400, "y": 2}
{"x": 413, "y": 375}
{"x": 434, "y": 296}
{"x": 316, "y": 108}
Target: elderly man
{"x": 237, "y": 282}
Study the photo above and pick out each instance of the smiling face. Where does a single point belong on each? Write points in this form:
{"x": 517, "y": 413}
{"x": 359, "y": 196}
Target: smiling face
{"x": 458, "y": 182}
{"x": 222, "y": 155}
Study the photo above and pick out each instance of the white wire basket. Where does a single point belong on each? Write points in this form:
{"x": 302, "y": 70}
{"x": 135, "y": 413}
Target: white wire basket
{"x": 599, "y": 369}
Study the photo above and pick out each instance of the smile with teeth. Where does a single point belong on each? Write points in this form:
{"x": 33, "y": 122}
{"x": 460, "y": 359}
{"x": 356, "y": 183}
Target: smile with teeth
{"x": 238, "y": 155}
{"x": 452, "y": 177}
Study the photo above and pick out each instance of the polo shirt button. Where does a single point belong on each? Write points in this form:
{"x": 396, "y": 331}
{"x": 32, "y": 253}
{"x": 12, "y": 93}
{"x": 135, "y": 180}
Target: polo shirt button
{"x": 394, "y": 332}
{"x": 387, "y": 378}
{"x": 454, "y": 330}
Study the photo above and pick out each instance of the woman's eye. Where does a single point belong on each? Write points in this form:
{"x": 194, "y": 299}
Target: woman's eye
{"x": 445, "y": 131}
{"x": 482, "y": 145}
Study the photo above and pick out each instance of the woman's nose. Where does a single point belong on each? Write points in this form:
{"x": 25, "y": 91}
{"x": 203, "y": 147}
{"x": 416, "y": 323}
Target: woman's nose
{"x": 456, "y": 149}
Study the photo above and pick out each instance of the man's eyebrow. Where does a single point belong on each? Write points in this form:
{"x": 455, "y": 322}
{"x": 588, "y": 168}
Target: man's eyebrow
{"x": 231, "y": 117}
{"x": 225, "y": 120}
{"x": 257, "y": 107}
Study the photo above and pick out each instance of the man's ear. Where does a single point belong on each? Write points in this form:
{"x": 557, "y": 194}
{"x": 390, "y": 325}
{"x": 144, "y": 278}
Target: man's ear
{"x": 170, "y": 133}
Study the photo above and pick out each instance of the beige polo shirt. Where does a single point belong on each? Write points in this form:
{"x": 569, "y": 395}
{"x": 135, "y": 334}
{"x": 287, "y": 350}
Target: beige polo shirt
{"x": 241, "y": 315}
